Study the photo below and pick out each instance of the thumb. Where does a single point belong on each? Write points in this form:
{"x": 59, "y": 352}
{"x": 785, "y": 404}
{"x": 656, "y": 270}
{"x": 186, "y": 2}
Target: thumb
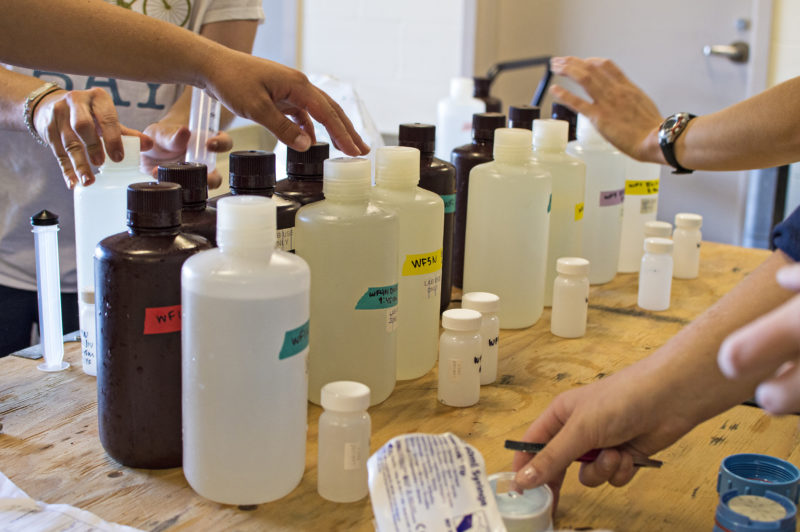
{"x": 549, "y": 465}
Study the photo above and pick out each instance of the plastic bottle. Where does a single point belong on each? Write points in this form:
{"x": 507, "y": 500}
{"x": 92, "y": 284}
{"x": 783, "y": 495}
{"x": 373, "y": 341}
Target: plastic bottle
{"x": 303, "y": 181}
{"x": 522, "y": 116}
{"x": 507, "y": 229}
{"x": 420, "y": 214}
{"x": 204, "y": 117}
{"x": 569, "y": 184}
{"x": 570, "y": 298}
{"x": 687, "y": 238}
{"x": 605, "y": 190}
{"x": 351, "y": 246}
{"x": 139, "y": 329}
{"x": 454, "y": 116}
{"x": 639, "y": 207}
{"x": 562, "y": 112}
{"x": 465, "y": 158}
{"x": 244, "y": 384}
{"x": 343, "y": 442}
{"x": 655, "y": 275}
{"x": 488, "y": 305}
{"x": 657, "y": 229}
{"x": 439, "y": 177}
{"x": 481, "y": 92}
{"x": 460, "y": 348}
{"x": 196, "y": 217}
{"x": 100, "y": 212}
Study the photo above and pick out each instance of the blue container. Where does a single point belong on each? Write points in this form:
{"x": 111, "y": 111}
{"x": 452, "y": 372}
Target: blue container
{"x": 756, "y": 474}
{"x": 727, "y": 520}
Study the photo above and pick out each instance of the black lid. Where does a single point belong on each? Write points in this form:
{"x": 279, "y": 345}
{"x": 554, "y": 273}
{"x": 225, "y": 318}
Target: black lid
{"x": 44, "y": 217}
{"x": 419, "y": 136}
{"x": 192, "y": 177}
{"x": 307, "y": 163}
{"x": 482, "y": 86}
{"x": 484, "y": 124}
{"x": 252, "y": 169}
{"x": 154, "y": 205}
{"x": 562, "y": 112}
{"x": 522, "y": 116}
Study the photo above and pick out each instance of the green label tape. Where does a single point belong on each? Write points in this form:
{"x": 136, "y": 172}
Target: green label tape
{"x": 294, "y": 342}
{"x": 378, "y": 297}
{"x": 449, "y": 203}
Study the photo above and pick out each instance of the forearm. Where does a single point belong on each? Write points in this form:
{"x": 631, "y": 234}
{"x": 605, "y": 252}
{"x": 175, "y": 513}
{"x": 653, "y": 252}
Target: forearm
{"x": 14, "y": 89}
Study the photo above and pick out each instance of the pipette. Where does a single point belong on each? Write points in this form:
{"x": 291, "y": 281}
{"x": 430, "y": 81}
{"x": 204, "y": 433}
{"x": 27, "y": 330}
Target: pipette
{"x": 204, "y": 124}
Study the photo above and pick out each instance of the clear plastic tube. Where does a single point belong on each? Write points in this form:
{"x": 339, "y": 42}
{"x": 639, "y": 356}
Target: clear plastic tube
{"x": 204, "y": 124}
{"x": 48, "y": 282}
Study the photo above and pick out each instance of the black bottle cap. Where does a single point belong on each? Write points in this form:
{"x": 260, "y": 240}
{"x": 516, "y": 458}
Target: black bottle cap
{"x": 562, "y": 112}
{"x": 484, "y": 124}
{"x": 44, "y": 217}
{"x": 192, "y": 177}
{"x": 307, "y": 163}
{"x": 522, "y": 116}
{"x": 154, "y": 205}
{"x": 482, "y": 86}
{"x": 419, "y": 136}
{"x": 252, "y": 169}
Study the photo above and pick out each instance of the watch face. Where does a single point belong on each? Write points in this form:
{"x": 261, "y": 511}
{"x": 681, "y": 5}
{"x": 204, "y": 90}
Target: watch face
{"x": 670, "y": 122}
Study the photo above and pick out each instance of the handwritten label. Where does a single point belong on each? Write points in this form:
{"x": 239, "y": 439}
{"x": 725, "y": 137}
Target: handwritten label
{"x": 423, "y": 263}
{"x": 449, "y": 203}
{"x": 294, "y": 342}
{"x": 579, "y": 211}
{"x": 391, "y": 319}
{"x": 455, "y": 369}
{"x": 378, "y": 297}
{"x": 649, "y": 205}
{"x": 609, "y": 198}
{"x": 162, "y": 320}
{"x": 353, "y": 456}
{"x": 641, "y": 188}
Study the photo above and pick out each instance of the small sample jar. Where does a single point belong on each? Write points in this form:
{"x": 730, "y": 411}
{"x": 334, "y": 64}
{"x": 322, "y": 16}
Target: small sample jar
{"x": 769, "y": 512}
{"x": 460, "y": 357}
{"x": 488, "y": 305}
{"x": 529, "y": 511}
{"x": 687, "y": 239}
{"x": 657, "y": 229}
{"x": 570, "y": 298}
{"x": 755, "y": 474}
{"x": 655, "y": 275}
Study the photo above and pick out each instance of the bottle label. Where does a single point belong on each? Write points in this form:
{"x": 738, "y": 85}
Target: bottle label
{"x": 609, "y": 198}
{"x": 550, "y": 203}
{"x": 353, "y": 457}
{"x": 391, "y": 319}
{"x": 378, "y": 297}
{"x": 579, "y": 211}
{"x": 285, "y": 239}
{"x": 162, "y": 320}
{"x": 423, "y": 263}
{"x": 449, "y": 203}
{"x": 649, "y": 205}
{"x": 455, "y": 369}
{"x": 294, "y": 342}
{"x": 641, "y": 188}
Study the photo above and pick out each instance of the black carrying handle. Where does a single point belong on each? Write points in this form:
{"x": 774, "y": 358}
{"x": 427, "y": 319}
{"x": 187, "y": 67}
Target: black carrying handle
{"x": 525, "y": 63}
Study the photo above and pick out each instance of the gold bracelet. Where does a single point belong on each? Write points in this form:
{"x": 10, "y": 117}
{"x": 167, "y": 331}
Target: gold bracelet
{"x": 31, "y": 102}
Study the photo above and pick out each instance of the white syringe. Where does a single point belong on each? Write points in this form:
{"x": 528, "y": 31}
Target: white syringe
{"x": 204, "y": 124}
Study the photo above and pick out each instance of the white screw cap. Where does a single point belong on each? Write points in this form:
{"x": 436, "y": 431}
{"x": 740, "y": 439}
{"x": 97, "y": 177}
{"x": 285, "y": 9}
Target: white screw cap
{"x": 658, "y": 245}
{"x": 397, "y": 166}
{"x": 549, "y": 133}
{"x": 461, "y": 319}
{"x": 345, "y": 396}
{"x": 685, "y": 220}
{"x": 572, "y": 266}
{"x": 481, "y": 301}
{"x": 657, "y": 229}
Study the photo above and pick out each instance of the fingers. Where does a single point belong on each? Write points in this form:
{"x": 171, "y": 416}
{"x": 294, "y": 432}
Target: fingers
{"x": 214, "y": 179}
{"x": 328, "y": 113}
{"x": 612, "y": 465}
{"x": 789, "y": 277}
{"x": 105, "y": 120}
{"x": 221, "y": 142}
{"x": 145, "y": 142}
{"x": 577, "y": 104}
{"x": 781, "y": 395}
{"x": 66, "y": 145}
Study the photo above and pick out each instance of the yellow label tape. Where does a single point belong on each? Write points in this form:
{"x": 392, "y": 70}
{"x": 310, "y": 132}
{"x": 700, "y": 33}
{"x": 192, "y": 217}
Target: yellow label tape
{"x": 641, "y": 188}
{"x": 423, "y": 263}
{"x": 579, "y": 211}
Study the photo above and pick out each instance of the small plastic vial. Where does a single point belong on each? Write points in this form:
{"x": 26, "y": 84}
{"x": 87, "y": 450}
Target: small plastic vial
{"x": 687, "y": 239}
{"x": 460, "y": 357}
{"x": 570, "y": 298}
{"x": 654, "y": 228}
{"x": 488, "y": 305}
{"x": 344, "y": 430}
{"x": 655, "y": 275}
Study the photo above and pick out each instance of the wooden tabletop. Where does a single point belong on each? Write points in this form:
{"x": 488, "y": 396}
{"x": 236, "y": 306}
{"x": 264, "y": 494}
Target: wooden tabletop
{"x": 50, "y": 448}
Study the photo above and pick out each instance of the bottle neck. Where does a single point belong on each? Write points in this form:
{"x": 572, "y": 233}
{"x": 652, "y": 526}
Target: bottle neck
{"x": 153, "y": 231}
{"x": 195, "y": 207}
{"x": 252, "y": 250}
{"x": 515, "y": 157}
{"x": 299, "y": 177}
{"x": 265, "y": 192}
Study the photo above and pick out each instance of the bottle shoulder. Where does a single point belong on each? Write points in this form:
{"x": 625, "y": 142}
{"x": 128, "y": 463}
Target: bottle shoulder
{"x": 142, "y": 248}
{"x": 329, "y": 212}
{"x": 412, "y": 198}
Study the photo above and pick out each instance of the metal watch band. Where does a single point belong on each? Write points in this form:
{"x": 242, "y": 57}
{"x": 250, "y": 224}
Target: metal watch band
{"x": 670, "y": 130}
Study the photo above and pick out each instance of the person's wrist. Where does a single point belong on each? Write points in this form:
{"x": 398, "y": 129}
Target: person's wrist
{"x": 29, "y": 108}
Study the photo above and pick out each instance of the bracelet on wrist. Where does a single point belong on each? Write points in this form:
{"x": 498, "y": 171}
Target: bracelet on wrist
{"x": 29, "y": 109}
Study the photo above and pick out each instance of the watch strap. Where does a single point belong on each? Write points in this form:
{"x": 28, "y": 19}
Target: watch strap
{"x": 668, "y": 145}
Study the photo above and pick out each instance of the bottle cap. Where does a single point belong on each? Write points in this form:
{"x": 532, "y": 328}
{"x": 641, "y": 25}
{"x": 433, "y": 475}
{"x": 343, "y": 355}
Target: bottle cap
{"x": 461, "y": 88}
{"x": 740, "y": 512}
{"x": 154, "y": 205}
{"x": 658, "y": 245}
{"x": 659, "y": 229}
{"x": 461, "y": 319}
{"x": 481, "y": 301}
{"x": 484, "y": 124}
{"x": 252, "y": 169}
{"x": 44, "y": 217}
{"x": 522, "y": 116}
{"x": 419, "y": 136}
{"x": 397, "y": 166}
{"x": 307, "y": 163}
{"x": 346, "y": 176}
{"x": 685, "y": 220}
{"x": 130, "y": 145}
{"x": 512, "y": 143}
{"x": 550, "y": 134}
{"x": 482, "y": 86}
{"x": 572, "y": 266}
{"x": 246, "y": 221}
{"x": 192, "y": 177}
{"x": 587, "y": 132}
{"x": 755, "y": 474}
{"x": 562, "y": 112}
{"x": 345, "y": 396}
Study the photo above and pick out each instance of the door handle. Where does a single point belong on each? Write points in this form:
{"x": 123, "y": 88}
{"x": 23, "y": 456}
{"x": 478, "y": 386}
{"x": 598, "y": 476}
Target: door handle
{"x": 738, "y": 52}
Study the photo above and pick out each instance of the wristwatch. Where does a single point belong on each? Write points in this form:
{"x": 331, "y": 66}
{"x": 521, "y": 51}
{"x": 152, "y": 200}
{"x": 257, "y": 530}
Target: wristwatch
{"x": 668, "y": 133}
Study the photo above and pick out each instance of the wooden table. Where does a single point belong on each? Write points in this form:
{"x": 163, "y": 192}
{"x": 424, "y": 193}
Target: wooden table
{"x": 50, "y": 448}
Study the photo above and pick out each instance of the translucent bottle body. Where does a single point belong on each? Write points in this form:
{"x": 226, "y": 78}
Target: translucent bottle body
{"x": 454, "y": 119}
{"x": 570, "y": 306}
{"x": 459, "y": 368}
{"x": 687, "y": 253}
{"x": 343, "y": 451}
{"x": 655, "y": 280}
{"x": 640, "y": 206}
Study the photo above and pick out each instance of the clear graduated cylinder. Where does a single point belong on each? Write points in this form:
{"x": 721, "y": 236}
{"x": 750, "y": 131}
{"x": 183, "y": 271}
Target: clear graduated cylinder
{"x": 655, "y": 275}
{"x": 351, "y": 246}
{"x": 605, "y": 191}
{"x": 570, "y": 298}
{"x": 454, "y": 116}
{"x": 488, "y": 305}
{"x": 640, "y": 206}
{"x": 687, "y": 238}
{"x": 420, "y": 214}
{"x": 460, "y": 348}
{"x": 343, "y": 442}
{"x": 244, "y": 385}
{"x": 203, "y": 123}
{"x": 569, "y": 186}
{"x": 507, "y": 229}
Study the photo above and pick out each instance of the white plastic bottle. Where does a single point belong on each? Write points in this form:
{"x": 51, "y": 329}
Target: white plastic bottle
{"x": 351, "y": 246}
{"x": 605, "y": 191}
{"x": 343, "y": 442}
{"x": 687, "y": 238}
{"x": 655, "y": 275}
{"x": 569, "y": 187}
{"x": 639, "y": 207}
{"x": 488, "y": 305}
{"x": 570, "y": 298}
{"x": 420, "y": 214}
{"x": 507, "y": 229}
{"x": 460, "y": 348}
{"x": 244, "y": 379}
{"x": 657, "y": 229}
{"x": 454, "y": 117}
{"x": 100, "y": 211}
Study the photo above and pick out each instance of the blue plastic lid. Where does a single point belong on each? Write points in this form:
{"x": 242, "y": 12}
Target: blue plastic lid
{"x": 754, "y": 513}
{"x": 756, "y": 474}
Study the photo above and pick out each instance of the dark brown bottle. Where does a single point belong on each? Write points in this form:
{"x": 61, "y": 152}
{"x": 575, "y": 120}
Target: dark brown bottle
{"x": 439, "y": 177}
{"x": 464, "y": 158}
{"x": 562, "y": 112}
{"x": 522, "y": 116}
{"x": 481, "y": 92}
{"x": 138, "y": 291}
{"x": 303, "y": 181}
{"x": 196, "y": 217}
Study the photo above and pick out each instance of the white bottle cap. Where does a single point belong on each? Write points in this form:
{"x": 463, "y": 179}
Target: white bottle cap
{"x": 346, "y": 176}
{"x": 481, "y": 301}
{"x": 586, "y": 131}
{"x": 461, "y": 319}
{"x": 550, "y": 134}
{"x": 345, "y": 396}
{"x": 572, "y": 266}
{"x": 512, "y": 143}
{"x": 461, "y": 88}
{"x": 246, "y": 222}
{"x": 658, "y": 245}
{"x": 658, "y": 229}
{"x": 685, "y": 220}
{"x": 130, "y": 144}
{"x": 397, "y": 166}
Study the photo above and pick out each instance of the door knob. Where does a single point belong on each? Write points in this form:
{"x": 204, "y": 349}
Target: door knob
{"x": 738, "y": 52}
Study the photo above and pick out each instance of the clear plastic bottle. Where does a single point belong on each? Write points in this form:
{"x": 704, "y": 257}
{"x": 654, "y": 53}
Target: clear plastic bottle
{"x": 658, "y": 229}
{"x": 343, "y": 442}
{"x": 569, "y": 184}
{"x": 420, "y": 214}
{"x": 197, "y": 217}
{"x": 655, "y": 275}
{"x": 244, "y": 385}
{"x": 460, "y": 348}
{"x": 488, "y": 305}
{"x": 351, "y": 246}
{"x": 605, "y": 190}
{"x": 639, "y": 207}
{"x": 687, "y": 238}
{"x": 507, "y": 229}
{"x": 100, "y": 211}
{"x": 570, "y": 298}
{"x": 454, "y": 116}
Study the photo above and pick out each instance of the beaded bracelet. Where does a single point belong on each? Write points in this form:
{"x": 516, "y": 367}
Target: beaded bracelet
{"x": 31, "y": 102}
